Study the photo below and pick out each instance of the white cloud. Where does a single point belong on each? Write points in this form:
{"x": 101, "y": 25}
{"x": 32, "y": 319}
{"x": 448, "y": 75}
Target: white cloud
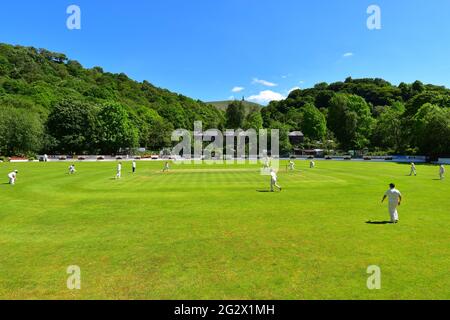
{"x": 301, "y": 82}
{"x": 348, "y": 54}
{"x": 237, "y": 89}
{"x": 294, "y": 88}
{"x": 266, "y": 96}
{"x": 264, "y": 82}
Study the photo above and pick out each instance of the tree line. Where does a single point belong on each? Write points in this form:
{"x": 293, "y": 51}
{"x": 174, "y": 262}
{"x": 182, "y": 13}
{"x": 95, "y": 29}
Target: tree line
{"x": 368, "y": 114}
{"x": 51, "y": 104}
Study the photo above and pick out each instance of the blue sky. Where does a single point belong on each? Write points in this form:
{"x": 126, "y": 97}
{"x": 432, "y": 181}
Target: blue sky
{"x": 205, "y": 48}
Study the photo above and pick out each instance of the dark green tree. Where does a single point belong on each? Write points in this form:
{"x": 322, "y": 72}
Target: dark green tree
{"x": 21, "y": 132}
{"x": 115, "y": 130}
{"x": 160, "y": 134}
{"x": 432, "y": 130}
{"x": 235, "y": 115}
{"x": 350, "y": 119}
{"x": 388, "y": 132}
{"x": 314, "y": 124}
{"x": 253, "y": 121}
{"x": 72, "y": 125}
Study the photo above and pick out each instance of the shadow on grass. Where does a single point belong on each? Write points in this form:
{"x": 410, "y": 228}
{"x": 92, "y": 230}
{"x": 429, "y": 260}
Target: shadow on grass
{"x": 263, "y": 191}
{"x": 379, "y": 222}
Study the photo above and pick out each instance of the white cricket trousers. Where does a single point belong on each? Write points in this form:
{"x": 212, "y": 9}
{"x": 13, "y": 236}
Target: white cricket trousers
{"x": 274, "y": 183}
{"x": 393, "y": 211}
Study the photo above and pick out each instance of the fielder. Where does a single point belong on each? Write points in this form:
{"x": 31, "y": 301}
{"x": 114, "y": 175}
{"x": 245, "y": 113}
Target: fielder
{"x": 291, "y": 165}
{"x": 312, "y": 164}
{"x": 12, "y": 177}
{"x": 72, "y": 169}
{"x": 166, "y": 167}
{"x": 266, "y": 163}
{"x": 119, "y": 170}
{"x": 134, "y": 166}
{"x": 273, "y": 180}
{"x": 413, "y": 169}
{"x": 442, "y": 172}
{"x": 395, "y": 199}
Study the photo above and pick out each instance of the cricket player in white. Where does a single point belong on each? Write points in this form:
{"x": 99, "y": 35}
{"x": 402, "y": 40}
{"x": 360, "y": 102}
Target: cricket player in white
{"x": 134, "y": 166}
{"x": 442, "y": 172}
{"x": 166, "y": 167}
{"x": 395, "y": 199}
{"x": 273, "y": 180}
{"x": 119, "y": 170}
{"x": 291, "y": 165}
{"x": 12, "y": 177}
{"x": 266, "y": 162}
{"x": 312, "y": 164}
{"x": 72, "y": 169}
{"x": 413, "y": 169}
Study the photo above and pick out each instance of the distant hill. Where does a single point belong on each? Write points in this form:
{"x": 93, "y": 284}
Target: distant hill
{"x": 37, "y": 79}
{"x": 37, "y": 86}
{"x": 249, "y": 106}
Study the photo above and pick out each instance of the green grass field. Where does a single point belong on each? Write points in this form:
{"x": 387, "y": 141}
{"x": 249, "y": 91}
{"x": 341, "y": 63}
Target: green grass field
{"x": 210, "y": 232}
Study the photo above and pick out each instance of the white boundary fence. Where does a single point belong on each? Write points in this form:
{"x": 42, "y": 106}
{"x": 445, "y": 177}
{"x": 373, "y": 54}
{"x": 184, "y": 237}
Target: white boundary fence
{"x": 444, "y": 160}
{"x": 95, "y": 158}
{"x": 409, "y": 159}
